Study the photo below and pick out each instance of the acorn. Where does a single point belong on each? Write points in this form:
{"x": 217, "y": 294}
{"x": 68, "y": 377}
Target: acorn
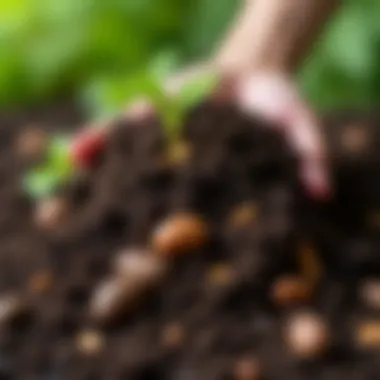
{"x": 289, "y": 291}
{"x": 50, "y": 213}
{"x": 180, "y": 234}
{"x": 307, "y": 335}
{"x": 140, "y": 264}
{"x": 87, "y": 147}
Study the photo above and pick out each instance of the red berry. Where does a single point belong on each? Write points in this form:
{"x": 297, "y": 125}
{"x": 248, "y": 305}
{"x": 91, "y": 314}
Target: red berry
{"x": 87, "y": 146}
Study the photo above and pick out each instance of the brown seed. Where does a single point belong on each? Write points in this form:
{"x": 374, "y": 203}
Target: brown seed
{"x": 290, "y": 290}
{"x": 179, "y": 153}
{"x": 50, "y": 213}
{"x": 12, "y": 306}
{"x": 173, "y": 335}
{"x": 220, "y": 274}
{"x": 248, "y": 369}
{"x": 140, "y": 264}
{"x": 114, "y": 297}
{"x": 32, "y": 143}
{"x": 355, "y": 138}
{"x": 41, "y": 282}
{"x": 368, "y": 334}
{"x": 243, "y": 215}
{"x": 307, "y": 335}
{"x": 90, "y": 342}
{"x": 180, "y": 234}
{"x": 370, "y": 293}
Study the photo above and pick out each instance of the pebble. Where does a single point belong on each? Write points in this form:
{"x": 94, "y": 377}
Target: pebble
{"x": 368, "y": 334}
{"x": 173, "y": 335}
{"x": 12, "y": 306}
{"x": 179, "y": 234}
{"x": 114, "y": 297}
{"x": 141, "y": 265}
{"x": 370, "y": 293}
{"x": 90, "y": 342}
{"x": 32, "y": 143}
{"x": 248, "y": 369}
{"x": 307, "y": 335}
{"x": 50, "y": 213}
{"x": 289, "y": 291}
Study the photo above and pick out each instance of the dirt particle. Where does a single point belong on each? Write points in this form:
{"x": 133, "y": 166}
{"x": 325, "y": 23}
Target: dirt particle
{"x": 142, "y": 265}
{"x": 41, "y": 282}
{"x": 307, "y": 335}
{"x": 180, "y": 234}
{"x": 368, "y": 334}
{"x": 12, "y": 306}
{"x": 173, "y": 335}
{"x": 50, "y": 213}
{"x": 243, "y": 215}
{"x": 90, "y": 342}
{"x": 220, "y": 274}
{"x": 248, "y": 369}
{"x": 290, "y": 290}
{"x": 32, "y": 143}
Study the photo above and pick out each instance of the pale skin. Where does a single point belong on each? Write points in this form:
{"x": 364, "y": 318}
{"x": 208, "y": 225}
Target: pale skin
{"x": 263, "y": 48}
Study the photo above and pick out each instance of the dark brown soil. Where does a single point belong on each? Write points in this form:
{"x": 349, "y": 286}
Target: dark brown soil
{"x": 217, "y": 298}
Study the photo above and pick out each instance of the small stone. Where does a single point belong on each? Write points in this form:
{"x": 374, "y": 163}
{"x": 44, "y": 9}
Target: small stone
{"x": 368, "y": 334}
{"x": 32, "y": 143}
{"x": 114, "y": 297}
{"x": 307, "y": 335}
{"x": 50, "y": 213}
{"x": 243, "y": 215}
{"x": 248, "y": 369}
{"x": 290, "y": 290}
{"x": 355, "y": 138}
{"x": 41, "y": 282}
{"x": 179, "y": 234}
{"x": 173, "y": 335}
{"x": 90, "y": 342}
{"x": 12, "y": 306}
{"x": 141, "y": 265}
{"x": 220, "y": 274}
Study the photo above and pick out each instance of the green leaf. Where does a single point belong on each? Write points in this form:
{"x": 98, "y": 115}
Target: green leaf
{"x": 197, "y": 90}
{"x": 40, "y": 182}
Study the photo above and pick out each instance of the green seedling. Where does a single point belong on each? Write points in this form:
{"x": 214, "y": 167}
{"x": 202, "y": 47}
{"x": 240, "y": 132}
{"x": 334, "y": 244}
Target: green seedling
{"x": 47, "y": 177}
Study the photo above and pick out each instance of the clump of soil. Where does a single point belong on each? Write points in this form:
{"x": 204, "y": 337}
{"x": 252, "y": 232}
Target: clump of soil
{"x": 211, "y": 266}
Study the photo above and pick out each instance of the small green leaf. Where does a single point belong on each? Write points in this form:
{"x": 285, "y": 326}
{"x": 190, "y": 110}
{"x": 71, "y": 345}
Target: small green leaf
{"x": 197, "y": 90}
{"x": 40, "y": 183}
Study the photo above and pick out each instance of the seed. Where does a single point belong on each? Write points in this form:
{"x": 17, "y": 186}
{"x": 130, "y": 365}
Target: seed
{"x": 290, "y": 290}
{"x": 220, "y": 274}
{"x": 141, "y": 265}
{"x": 368, "y": 334}
{"x": 12, "y": 306}
{"x": 41, "y": 282}
{"x": 32, "y": 143}
{"x": 179, "y": 153}
{"x": 355, "y": 138}
{"x": 248, "y": 369}
{"x": 90, "y": 342}
{"x": 173, "y": 335}
{"x": 243, "y": 215}
{"x": 307, "y": 335}
{"x": 180, "y": 234}
{"x": 50, "y": 213}
{"x": 113, "y": 298}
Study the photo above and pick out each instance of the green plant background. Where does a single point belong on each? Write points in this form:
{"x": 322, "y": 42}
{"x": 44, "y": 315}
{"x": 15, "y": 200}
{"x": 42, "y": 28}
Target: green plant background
{"x": 101, "y": 50}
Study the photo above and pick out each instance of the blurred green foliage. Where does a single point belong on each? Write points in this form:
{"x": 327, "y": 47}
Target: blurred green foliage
{"x": 103, "y": 50}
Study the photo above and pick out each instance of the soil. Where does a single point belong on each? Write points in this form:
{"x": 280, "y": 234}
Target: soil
{"x": 214, "y": 316}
